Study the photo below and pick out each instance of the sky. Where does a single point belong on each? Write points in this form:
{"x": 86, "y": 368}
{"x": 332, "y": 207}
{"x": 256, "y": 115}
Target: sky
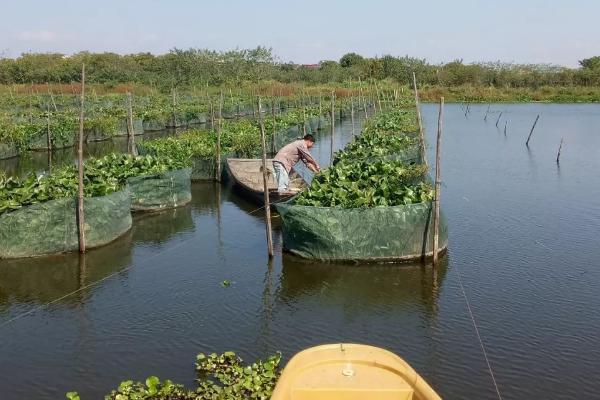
{"x": 521, "y": 31}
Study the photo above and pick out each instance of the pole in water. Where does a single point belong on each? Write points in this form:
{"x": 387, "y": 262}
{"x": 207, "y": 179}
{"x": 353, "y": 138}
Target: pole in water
{"x": 352, "y": 114}
{"x": 498, "y": 120}
{"x": 438, "y": 182}
{"x": 505, "y": 122}
{"x": 419, "y": 119}
{"x": 332, "y": 125}
{"x": 559, "y": 150}
{"x": 130, "y": 132}
{"x": 486, "y": 113}
{"x": 49, "y": 141}
{"x": 265, "y": 182}
{"x": 532, "y": 128}
{"x": 80, "y": 211}
{"x": 218, "y": 160}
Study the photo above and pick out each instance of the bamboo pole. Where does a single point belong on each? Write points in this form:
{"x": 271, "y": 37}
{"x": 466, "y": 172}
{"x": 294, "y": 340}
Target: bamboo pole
{"x": 49, "y": 140}
{"x": 219, "y": 127}
{"x": 273, "y": 134}
{"x": 438, "y": 184}
{"x": 360, "y": 96}
{"x": 212, "y": 115}
{"x": 332, "y": 125}
{"x": 174, "y": 104}
{"x": 532, "y": 128}
{"x": 304, "y": 121}
{"x": 267, "y": 205}
{"x": 80, "y": 211}
{"x": 419, "y": 120}
{"x": 130, "y": 132}
{"x": 559, "y": 150}
{"x": 498, "y": 120}
{"x": 352, "y": 114}
{"x": 51, "y": 97}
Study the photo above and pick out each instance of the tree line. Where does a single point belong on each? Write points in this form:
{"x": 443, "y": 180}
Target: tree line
{"x": 199, "y": 67}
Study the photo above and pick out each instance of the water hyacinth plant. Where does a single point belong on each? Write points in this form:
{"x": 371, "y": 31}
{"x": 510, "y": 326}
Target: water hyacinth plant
{"x": 102, "y": 176}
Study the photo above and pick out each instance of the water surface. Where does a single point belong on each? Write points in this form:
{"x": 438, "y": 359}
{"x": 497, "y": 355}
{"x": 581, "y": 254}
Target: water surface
{"x": 523, "y": 237}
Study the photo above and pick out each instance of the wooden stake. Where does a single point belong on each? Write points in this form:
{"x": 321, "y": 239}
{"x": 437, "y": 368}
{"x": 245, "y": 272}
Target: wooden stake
{"x": 267, "y": 204}
{"x": 49, "y": 141}
{"x": 130, "y": 132}
{"x": 532, "y": 128}
{"x": 352, "y": 114}
{"x": 498, "y": 120}
{"x": 212, "y": 115}
{"x": 332, "y": 125}
{"x": 419, "y": 120}
{"x": 559, "y": 150}
{"x": 80, "y": 211}
{"x": 486, "y": 112}
{"x": 505, "y": 122}
{"x": 438, "y": 184}
{"x": 360, "y": 94}
{"x": 51, "y": 97}
{"x": 273, "y": 134}
{"x": 304, "y": 121}
{"x": 219, "y": 127}
{"x": 174, "y": 103}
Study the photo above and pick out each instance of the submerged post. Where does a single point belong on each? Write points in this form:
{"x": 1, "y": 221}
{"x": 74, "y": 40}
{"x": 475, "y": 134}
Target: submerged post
{"x": 532, "y": 128}
{"x": 130, "y": 132}
{"x": 218, "y": 177}
{"x": 332, "y": 125}
{"x": 80, "y": 211}
{"x": 559, "y": 150}
{"x": 438, "y": 183}
{"x": 265, "y": 181}
{"x": 486, "y": 112}
{"x": 498, "y": 120}
{"x": 419, "y": 120}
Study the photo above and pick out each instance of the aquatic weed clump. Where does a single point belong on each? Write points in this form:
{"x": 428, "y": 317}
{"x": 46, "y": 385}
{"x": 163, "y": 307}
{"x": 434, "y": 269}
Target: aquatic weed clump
{"x": 219, "y": 377}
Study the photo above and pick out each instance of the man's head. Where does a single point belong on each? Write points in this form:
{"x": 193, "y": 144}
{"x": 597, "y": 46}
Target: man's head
{"x": 309, "y": 140}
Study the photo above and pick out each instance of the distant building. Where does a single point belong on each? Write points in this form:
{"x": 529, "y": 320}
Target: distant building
{"x": 311, "y": 66}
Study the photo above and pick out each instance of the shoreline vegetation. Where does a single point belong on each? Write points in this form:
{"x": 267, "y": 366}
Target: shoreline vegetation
{"x": 427, "y": 93}
{"x": 259, "y": 68}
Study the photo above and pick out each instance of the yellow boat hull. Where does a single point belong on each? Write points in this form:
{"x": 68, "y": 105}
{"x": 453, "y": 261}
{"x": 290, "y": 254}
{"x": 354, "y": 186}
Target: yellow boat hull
{"x": 350, "y": 372}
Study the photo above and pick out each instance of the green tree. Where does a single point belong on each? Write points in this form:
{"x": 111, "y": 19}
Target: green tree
{"x": 591, "y": 63}
{"x": 351, "y": 60}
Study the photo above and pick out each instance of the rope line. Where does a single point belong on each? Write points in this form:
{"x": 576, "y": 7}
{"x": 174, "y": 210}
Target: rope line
{"x": 487, "y": 361}
{"x": 92, "y": 284}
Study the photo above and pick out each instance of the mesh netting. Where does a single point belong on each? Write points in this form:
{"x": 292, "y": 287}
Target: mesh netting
{"x": 51, "y": 227}
{"x": 40, "y": 141}
{"x": 138, "y": 127}
{"x": 8, "y": 150}
{"x": 153, "y": 125}
{"x": 367, "y": 234}
{"x": 157, "y": 192}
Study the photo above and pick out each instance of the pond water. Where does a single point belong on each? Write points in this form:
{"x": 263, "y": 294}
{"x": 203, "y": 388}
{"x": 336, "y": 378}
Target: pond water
{"x": 523, "y": 237}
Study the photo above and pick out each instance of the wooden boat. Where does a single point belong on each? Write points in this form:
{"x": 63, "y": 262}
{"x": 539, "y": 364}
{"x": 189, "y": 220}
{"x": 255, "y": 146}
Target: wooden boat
{"x": 350, "y": 372}
{"x": 247, "y": 175}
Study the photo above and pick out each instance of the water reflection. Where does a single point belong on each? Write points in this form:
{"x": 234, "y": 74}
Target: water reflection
{"x": 160, "y": 227}
{"x": 45, "y": 279}
{"x": 360, "y": 287}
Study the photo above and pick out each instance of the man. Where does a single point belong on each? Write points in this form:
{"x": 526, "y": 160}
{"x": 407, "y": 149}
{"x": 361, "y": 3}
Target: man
{"x": 289, "y": 156}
